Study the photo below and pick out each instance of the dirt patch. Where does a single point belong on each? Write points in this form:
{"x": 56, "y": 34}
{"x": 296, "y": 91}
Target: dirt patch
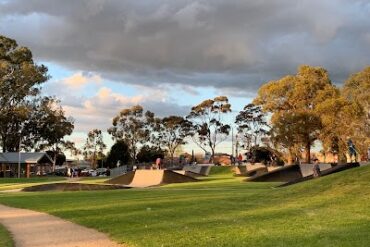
{"x": 72, "y": 187}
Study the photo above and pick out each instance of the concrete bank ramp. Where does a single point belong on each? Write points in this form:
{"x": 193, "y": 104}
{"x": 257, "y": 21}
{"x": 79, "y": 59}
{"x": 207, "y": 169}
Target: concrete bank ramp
{"x": 292, "y": 173}
{"x": 148, "y": 178}
{"x": 201, "y": 169}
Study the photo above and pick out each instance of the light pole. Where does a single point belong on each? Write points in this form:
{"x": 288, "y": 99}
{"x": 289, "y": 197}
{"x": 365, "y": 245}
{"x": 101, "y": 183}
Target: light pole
{"x": 19, "y": 152}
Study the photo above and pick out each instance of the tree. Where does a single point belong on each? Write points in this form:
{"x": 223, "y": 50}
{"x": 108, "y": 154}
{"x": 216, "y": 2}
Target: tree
{"x": 252, "y": 124}
{"x": 50, "y": 126}
{"x": 293, "y": 100}
{"x": 132, "y": 126}
{"x": 150, "y": 154}
{"x": 341, "y": 119}
{"x": 94, "y": 146}
{"x": 170, "y": 132}
{"x": 208, "y": 129}
{"x": 118, "y": 152}
{"x": 356, "y": 89}
{"x": 25, "y": 116}
{"x": 71, "y": 147}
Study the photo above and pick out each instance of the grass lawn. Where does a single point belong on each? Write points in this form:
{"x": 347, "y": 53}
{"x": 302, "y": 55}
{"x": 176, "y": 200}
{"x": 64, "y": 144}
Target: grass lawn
{"x": 5, "y": 239}
{"x": 221, "y": 211}
{"x": 18, "y": 183}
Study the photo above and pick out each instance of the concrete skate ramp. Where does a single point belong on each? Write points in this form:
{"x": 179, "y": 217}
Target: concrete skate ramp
{"x": 188, "y": 173}
{"x": 283, "y": 174}
{"x": 256, "y": 171}
{"x": 325, "y": 172}
{"x": 72, "y": 187}
{"x": 148, "y": 178}
{"x": 199, "y": 169}
{"x": 307, "y": 169}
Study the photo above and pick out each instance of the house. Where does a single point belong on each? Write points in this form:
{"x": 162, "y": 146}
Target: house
{"x": 30, "y": 163}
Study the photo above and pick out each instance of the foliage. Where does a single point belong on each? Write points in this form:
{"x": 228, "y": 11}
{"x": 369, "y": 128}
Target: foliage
{"x": 356, "y": 89}
{"x": 119, "y": 152}
{"x": 341, "y": 120}
{"x": 59, "y": 157}
{"x": 292, "y": 100}
{"x": 208, "y": 128}
{"x": 94, "y": 146}
{"x": 170, "y": 132}
{"x": 252, "y": 124}
{"x": 150, "y": 154}
{"x": 26, "y": 116}
{"x": 132, "y": 126}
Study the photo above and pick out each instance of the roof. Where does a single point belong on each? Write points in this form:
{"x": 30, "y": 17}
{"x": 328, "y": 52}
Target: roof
{"x": 29, "y": 158}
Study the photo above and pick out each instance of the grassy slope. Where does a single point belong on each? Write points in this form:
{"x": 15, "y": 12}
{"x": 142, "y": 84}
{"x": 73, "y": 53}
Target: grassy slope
{"x": 5, "y": 239}
{"x": 222, "y": 211}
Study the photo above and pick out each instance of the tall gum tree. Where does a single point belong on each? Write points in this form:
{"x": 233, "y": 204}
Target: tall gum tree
{"x": 208, "y": 128}
{"x": 133, "y": 126}
{"x": 94, "y": 146}
{"x": 356, "y": 89}
{"x": 171, "y": 132}
{"x": 24, "y": 117}
{"x": 293, "y": 99}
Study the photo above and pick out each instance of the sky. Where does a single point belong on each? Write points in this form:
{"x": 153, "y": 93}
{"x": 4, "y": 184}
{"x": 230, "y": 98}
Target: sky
{"x": 106, "y": 55}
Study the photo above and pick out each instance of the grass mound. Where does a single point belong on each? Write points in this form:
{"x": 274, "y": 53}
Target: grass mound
{"x": 222, "y": 211}
{"x": 19, "y": 183}
{"x": 71, "y": 187}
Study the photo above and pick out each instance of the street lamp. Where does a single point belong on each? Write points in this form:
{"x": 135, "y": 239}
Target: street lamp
{"x": 19, "y": 151}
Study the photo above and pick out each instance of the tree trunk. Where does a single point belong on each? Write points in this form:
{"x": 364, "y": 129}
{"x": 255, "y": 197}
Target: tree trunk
{"x": 308, "y": 153}
{"x": 172, "y": 154}
{"x": 212, "y": 156}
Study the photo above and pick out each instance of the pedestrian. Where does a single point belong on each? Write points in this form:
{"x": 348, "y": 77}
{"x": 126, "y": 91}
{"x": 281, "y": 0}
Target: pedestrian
{"x": 316, "y": 168}
{"x": 158, "y": 163}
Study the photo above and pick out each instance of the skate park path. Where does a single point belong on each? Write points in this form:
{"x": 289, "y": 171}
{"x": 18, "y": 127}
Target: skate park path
{"x": 35, "y": 229}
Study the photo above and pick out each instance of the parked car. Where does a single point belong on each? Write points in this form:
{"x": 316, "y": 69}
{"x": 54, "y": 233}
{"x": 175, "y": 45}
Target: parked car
{"x": 88, "y": 173}
{"x": 101, "y": 172}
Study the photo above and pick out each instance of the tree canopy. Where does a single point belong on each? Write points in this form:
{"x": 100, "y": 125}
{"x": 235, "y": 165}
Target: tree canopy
{"x": 133, "y": 126}
{"x": 27, "y": 117}
{"x": 208, "y": 126}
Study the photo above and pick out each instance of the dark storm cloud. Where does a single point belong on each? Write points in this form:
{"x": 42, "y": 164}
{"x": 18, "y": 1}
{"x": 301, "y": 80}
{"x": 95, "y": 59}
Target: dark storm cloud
{"x": 231, "y": 44}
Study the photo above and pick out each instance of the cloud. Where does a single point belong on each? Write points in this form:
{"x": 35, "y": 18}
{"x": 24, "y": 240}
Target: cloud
{"x": 234, "y": 44}
{"x": 98, "y": 110}
{"x": 78, "y": 80}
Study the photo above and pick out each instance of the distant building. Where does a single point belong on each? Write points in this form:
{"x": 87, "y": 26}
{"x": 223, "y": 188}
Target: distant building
{"x": 36, "y": 163}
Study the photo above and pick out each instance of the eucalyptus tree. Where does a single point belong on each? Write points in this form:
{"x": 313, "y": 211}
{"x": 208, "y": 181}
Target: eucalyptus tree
{"x": 252, "y": 124}
{"x": 208, "y": 126}
{"x": 133, "y": 126}
{"x": 24, "y": 114}
{"x": 94, "y": 146}
{"x": 293, "y": 100}
{"x": 171, "y": 132}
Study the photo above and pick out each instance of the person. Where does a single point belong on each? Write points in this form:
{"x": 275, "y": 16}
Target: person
{"x": 158, "y": 163}
{"x": 240, "y": 159}
{"x": 316, "y": 168}
{"x": 352, "y": 150}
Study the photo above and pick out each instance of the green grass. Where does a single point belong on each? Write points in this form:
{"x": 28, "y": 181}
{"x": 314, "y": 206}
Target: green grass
{"x": 5, "y": 238}
{"x": 221, "y": 211}
{"x": 19, "y": 183}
